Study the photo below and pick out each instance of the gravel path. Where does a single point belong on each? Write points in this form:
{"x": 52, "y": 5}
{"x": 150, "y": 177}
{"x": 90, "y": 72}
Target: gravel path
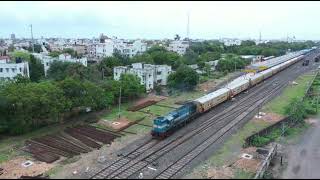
{"x": 304, "y": 157}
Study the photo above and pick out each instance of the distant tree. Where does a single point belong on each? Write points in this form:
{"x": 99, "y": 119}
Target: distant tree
{"x": 207, "y": 69}
{"x": 21, "y": 79}
{"x": 296, "y": 111}
{"x": 93, "y": 73}
{"x": 177, "y": 37}
{"x": 124, "y": 60}
{"x": 210, "y": 56}
{"x": 11, "y": 48}
{"x": 248, "y": 43}
{"x": 130, "y": 85}
{"x": 190, "y": 57}
{"x": 36, "y": 69}
{"x": 230, "y": 63}
{"x": 25, "y": 107}
{"x": 185, "y": 78}
{"x": 55, "y": 53}
{"x": 83, "y": 94}
{"x": 20, "y": 54}
{"x": 156, "y": 48}
{"x": 107, "y": 64}
{"x": 58, "y": 70}
{"x": 144, "y": 58}
{"x": 37, "y": 48}
{"x": 70, "y": 51}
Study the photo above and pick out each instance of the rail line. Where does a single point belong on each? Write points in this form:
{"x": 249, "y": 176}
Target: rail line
{"x": 150, "y": 151}
{"x": 174, "y": 167}
{"x": 165, "y": 147}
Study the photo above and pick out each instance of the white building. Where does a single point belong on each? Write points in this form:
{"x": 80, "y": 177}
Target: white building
{"x": 253, "y": 58}
{"x": 150, "y": 75}
{"x": 179, "y": 47}
{"x": 230, "y": 42}
{"x": 11, "y": 70}
{"x": 47, "y": 60}
{"x": 101, "y": 50}
{"x": 134, "y": 48}
{"x": 108, "y": 47}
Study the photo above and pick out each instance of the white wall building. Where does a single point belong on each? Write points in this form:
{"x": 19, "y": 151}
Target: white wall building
{"x": 11, "y": 70}
{"x": 47, "y": 60}
{"x": 132, "y": 49}
{"x": 230, "y": 42}
{"x": 150, "y": 75}
{"x": 106, "y": 49}
{"x": 179, "y": 47}
{"x": 101, "y": 50}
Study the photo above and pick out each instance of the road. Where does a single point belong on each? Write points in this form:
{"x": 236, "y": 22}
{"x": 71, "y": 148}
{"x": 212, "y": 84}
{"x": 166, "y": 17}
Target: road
{"x": 304, "y": 157}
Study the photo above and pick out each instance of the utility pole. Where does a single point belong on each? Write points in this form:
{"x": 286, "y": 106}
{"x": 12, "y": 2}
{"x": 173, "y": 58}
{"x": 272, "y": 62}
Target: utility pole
{"x": 188, "y": 24}
{"x": 32, "y": 38}
{"x": 282, "y": 139}
{"x": 119, "y": 114}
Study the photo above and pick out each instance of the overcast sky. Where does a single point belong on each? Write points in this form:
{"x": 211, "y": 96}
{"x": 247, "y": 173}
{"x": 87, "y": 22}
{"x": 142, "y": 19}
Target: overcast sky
{"x": 156, "y": 20}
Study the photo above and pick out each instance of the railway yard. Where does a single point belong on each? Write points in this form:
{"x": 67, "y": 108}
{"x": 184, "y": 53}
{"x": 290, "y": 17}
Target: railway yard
{"x": 176, "y": 155}
{"x": 107, "y": 150}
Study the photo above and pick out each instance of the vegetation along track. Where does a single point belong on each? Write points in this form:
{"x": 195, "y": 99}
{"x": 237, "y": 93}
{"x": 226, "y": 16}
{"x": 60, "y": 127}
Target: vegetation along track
{"x": 206, "y": 134}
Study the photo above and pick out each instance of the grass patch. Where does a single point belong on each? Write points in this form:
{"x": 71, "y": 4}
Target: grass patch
{"x": 53, "y": 171}
{"x": 290, "y": 134}
{"x": 138, "y": 129}
{"x": 70, "y": 160}
{"x": 241, "y": 174}
{"x": 157, "y": 110}
{"x": 148, "y": 120}
{"x": 131, "y": 116}
{"x": 278, "y": 104}
{"x": 181, "y": 96}
{"x": 236, "y": 140}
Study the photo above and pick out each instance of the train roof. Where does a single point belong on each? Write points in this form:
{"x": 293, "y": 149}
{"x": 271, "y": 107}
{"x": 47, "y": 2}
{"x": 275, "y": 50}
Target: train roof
{"x": 209, "y": 96}
{"x": 238, "y": 81}
{"x": 277, "y": 60}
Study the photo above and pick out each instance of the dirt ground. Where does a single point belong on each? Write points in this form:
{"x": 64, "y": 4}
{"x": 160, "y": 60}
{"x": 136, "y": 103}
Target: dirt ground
{"x": 120, "y": 124}
{"x": 206, "y": 86}
{"x": 13, "y": 169}
{"x": 220, "y": 173}
{"x": 89, "y": 160}
{"x": 145, "y": 102}
{"x": 270, "y": 118}
{"x": 304, "y": 157}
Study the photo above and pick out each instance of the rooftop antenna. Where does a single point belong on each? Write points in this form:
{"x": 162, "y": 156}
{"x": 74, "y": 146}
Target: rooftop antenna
{"x": 32, "y": 38}
{"x": 188, "y": 24}
{"x": 260, "y": 36}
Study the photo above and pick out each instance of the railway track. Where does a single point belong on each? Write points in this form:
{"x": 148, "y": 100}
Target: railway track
{"x": 151, "y": 152}
{"x": 139, "y": 158}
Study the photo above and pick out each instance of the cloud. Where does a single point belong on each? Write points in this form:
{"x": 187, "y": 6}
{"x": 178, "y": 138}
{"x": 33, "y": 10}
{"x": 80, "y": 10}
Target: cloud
{"x": 160, "y": 19}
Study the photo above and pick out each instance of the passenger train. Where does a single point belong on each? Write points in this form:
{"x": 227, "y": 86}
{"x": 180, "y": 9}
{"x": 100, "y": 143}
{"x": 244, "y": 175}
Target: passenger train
{"x": 165, "y": 125}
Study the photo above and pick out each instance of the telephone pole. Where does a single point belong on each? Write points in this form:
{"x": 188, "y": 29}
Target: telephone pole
{"x": 188, "y": 24}
{"x": 32, "y": 38}
{"x": 119, "y": 103}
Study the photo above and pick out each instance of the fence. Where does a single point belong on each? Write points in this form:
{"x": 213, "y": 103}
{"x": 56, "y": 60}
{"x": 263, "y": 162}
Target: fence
{"x": 265, "y": 164}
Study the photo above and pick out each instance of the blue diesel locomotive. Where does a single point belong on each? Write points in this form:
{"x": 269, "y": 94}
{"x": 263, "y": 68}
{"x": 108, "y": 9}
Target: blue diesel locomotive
{"x": 165, "y": 125}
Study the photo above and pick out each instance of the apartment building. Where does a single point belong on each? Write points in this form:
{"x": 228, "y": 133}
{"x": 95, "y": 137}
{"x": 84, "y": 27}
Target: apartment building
{"x": 10, "y": 70}
{"x": 150, "y": 75}
{"x": 178, "y": 46}
{"x": 47, "y": 60}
